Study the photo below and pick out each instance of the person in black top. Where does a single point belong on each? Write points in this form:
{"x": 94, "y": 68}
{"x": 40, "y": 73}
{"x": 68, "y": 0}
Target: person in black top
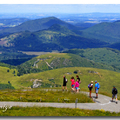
{"x": 78, "y": 78}
{"x": 64, "y": 83}
{"x": 114, "y": 93}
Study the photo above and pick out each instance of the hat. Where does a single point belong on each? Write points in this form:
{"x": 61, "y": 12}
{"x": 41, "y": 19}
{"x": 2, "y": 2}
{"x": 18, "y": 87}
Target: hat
{"x": 95, "y": 81}
{"x": 91, "y": 81}
{"x": 113, "y": 86}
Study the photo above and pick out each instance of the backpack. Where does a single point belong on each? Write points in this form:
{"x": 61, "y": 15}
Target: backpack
{"x": 89, "y": 85}
{"x": 98, "y": 85}
{"x": 115, "y": 91}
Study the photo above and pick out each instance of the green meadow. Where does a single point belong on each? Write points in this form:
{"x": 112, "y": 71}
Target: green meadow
{"x": 54, "y": 78}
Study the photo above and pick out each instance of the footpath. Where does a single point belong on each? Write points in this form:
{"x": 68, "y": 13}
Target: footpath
{"x": 103, "y": 102}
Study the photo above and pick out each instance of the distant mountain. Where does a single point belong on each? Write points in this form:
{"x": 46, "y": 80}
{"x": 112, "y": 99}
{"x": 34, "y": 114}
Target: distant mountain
{"x": 37, "y": 24}
{"x": 106, "y": 31}
{"x": 56, "y": 37}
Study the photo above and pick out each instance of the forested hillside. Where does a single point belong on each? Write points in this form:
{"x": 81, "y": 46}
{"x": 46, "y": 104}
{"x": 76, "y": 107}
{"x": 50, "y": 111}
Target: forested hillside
{"x": 56, "y": 37}
{"x": 105, "y": 31}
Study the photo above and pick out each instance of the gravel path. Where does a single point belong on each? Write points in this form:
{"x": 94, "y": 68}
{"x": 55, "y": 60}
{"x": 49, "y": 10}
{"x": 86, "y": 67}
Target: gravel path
{"x": 103, "y": 102}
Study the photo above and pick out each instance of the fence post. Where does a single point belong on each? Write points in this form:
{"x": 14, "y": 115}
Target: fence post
{"x": 76, "y": 101}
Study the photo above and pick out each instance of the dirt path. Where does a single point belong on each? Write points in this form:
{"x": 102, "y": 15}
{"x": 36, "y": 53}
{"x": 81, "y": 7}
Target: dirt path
{"x": 103, "y": 102}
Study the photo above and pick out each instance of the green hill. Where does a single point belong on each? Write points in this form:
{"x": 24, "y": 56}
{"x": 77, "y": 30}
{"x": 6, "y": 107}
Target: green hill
{"x": 57, "y": 60}
{"x": 56, "y": 37}
{"x": 54, "y": 78}
{"x": 107, "y": 56}
{"x": 37, "y": 24}
{"x": 105, "y": 31}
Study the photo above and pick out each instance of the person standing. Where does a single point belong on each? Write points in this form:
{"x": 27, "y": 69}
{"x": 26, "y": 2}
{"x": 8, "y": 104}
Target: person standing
{"x": 78, "y": 78}
{"x": 90, "y": 86}
{"x": 114, "y": 94}
{"x": 96, "y": 89}
{"x": 77, "y": 89}
{"x": 64, "y": 83}
{"x": 72, "y": 83}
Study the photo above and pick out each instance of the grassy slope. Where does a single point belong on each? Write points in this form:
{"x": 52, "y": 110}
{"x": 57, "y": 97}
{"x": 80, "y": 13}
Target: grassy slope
{"x": 106, "y": 78}
{"x": 106, "y": 56}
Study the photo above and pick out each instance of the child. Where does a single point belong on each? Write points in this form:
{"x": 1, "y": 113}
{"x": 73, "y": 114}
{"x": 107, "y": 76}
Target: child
{"x": 77, "y": 86}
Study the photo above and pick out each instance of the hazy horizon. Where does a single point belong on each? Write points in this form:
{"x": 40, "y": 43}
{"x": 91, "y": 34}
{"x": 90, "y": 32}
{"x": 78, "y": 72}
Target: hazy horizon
{"x": 59, "y": 8}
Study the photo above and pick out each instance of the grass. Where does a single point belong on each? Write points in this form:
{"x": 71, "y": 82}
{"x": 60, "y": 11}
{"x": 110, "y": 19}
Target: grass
{"x": 51, "y": 111}
{"x": 39, "y": 95}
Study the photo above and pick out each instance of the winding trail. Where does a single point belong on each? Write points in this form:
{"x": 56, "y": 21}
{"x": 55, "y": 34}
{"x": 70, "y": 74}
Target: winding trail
{"x": 103, "y": 102}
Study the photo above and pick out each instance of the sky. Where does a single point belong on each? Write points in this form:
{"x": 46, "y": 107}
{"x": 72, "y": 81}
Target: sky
{"x": 59, "y": 7}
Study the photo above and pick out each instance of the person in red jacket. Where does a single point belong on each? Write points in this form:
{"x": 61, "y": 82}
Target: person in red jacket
{"x": 72, "y": 83}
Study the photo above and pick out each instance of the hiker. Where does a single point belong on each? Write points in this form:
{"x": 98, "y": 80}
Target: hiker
{"x": 76, "y": 87}
{"x": 90, "y": 86}
{"x": 96, "y": 89}
{"x": 114, "y": 93}
{"x": 64, "y": 83}
{"x": 78, "y": 78}
{"x": 72, "y": 83}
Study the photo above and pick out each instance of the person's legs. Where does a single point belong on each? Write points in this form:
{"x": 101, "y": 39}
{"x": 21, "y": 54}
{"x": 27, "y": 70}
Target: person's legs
{"x": 113, "y": 97}
{"x": 75, "y": 89}
{"x": 78, "y": 90}
{"x": 90, "y": 89}
{"x": 72, "y": 87}
{"x": 96, "y": 93}
{"x": 90, "y": 94}
{"x": 66, "y": 87}
{"x": 116, "y": 98}
{"x": 63, "y": 88}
